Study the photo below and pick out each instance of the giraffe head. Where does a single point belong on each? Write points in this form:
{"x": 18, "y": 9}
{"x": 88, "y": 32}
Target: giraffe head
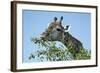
{"x": 55, "y": 31}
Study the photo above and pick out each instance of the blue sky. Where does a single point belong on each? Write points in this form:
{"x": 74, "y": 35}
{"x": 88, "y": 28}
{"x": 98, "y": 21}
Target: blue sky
{"x": 35, "y": 22}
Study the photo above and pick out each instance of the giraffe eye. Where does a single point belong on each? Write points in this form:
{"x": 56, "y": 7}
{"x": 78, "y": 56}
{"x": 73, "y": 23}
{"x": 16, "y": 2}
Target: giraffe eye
{"x": 58, "y": 29}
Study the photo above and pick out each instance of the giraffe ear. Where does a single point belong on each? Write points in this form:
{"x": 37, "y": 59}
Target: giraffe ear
{"x": 68, "y": 27}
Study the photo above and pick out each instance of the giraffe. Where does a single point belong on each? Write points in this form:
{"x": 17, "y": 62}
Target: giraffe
{"x": 56, "y": 32}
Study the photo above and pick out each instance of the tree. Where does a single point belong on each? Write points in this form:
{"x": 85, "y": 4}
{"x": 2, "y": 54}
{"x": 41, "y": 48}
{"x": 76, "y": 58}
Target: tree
{"x": 54, "y": 53}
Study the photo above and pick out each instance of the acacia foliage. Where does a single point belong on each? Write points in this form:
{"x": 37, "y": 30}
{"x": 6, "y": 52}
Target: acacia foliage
{"x": 53, "y": 53}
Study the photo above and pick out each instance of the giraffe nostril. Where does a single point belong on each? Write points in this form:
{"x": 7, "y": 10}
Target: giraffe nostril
{"x": 58, "y": 29}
